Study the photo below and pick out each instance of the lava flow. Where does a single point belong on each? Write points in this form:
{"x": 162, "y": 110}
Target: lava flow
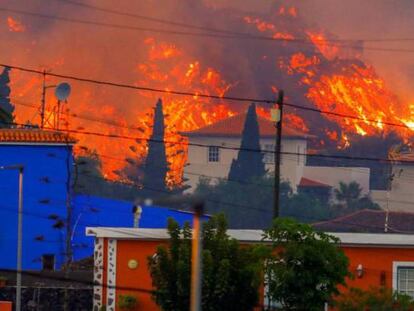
{"x": 309, "y": 64}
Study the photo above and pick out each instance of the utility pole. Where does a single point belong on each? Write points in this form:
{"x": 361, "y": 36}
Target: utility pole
{"x": 42, "y": 109}
{"x": 278, "y": 118}
{"x": 196, "y": 273}
{"x": 20, "y": 168}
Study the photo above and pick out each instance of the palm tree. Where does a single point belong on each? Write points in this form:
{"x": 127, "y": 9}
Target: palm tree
{"x": 348, "y": 193}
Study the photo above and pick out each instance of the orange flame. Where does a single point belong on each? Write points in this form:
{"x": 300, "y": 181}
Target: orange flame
{"x": 15, "y": 25}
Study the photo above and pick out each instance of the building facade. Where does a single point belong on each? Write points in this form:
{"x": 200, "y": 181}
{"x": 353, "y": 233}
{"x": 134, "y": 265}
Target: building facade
{"x": 212, "y": 149}
{"x": 121, "y": 262}
{"x": 399, "y": 196}
{"x": 48, "y": 179}
{"x": 47, "y": 160}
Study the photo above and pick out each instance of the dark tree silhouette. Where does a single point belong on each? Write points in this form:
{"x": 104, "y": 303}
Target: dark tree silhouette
{"x": 6, "y": 108}
{"x": 156, "y": 165}
{"x": 249, "y": 163}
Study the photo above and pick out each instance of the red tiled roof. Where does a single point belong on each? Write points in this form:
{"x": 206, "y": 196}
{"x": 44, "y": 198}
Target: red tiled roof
{"x": 405, "y": 157}
{"x": 305, "y": 182}
{"x": 234, "y": 125}
{"x": 37, "y": 136}
{"x": 371, "y": 221}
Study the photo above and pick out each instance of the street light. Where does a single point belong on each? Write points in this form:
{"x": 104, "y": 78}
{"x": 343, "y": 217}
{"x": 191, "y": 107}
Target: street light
{"x": 20, "y": 168}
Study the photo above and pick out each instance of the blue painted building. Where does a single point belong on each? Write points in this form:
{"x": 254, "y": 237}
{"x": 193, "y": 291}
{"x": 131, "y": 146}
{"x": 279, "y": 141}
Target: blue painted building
{"x": 48, "y": 160}
{"x": 100, "y": 212}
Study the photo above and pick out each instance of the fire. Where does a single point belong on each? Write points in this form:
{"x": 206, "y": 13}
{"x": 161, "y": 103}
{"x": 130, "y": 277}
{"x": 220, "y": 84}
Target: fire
{"x": 316, "y": 73}
{"x": 358, "y": 91}
{"x": 15, "y": 25}
{"x": 329, "y": 50}
{"x": 178, "y": 71}
{"x": 264, "y": 26}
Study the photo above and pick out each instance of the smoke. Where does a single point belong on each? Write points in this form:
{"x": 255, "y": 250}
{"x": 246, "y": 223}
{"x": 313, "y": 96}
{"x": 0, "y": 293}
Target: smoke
{"x": 249, "y": 68}
{"x": 372, "y": 19}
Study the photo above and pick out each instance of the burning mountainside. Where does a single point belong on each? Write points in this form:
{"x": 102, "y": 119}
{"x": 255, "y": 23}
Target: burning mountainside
{"x": 313, "y": 70}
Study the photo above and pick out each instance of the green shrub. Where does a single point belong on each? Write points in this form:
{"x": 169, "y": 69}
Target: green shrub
{"x": 127, "y": 302}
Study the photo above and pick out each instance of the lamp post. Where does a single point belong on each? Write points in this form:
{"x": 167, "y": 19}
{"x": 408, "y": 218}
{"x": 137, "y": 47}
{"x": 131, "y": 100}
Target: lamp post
{"x": 20, "y": 168}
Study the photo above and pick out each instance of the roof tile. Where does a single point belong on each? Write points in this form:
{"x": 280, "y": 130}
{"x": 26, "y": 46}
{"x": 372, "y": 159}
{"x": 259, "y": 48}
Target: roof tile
{"x": 24, "y": 135}
{"x": 372, "y": 221}
{"x": 233, "y": 127}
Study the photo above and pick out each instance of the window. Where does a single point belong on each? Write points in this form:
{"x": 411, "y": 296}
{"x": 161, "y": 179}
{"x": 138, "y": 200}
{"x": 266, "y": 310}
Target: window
{"x": 403, "y": 277}
{"x": 268, "y": 154}
{"x": 405, "y": 283}
{"x": 48, "y": 262}
{"x": 213, "y": 154}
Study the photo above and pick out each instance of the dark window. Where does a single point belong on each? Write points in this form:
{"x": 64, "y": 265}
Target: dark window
{"x": 48, "y": 262}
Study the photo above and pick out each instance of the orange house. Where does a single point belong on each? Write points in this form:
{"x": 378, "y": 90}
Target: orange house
{"x": 121, "y": 261}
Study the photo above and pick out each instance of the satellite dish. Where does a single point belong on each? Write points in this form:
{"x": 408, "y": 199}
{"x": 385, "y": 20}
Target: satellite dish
{"x": 62, "y": 91}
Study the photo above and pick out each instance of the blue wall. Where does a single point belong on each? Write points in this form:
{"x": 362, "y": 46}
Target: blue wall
{"x": 44, "y": 194}
{"x": 92, "y": 211}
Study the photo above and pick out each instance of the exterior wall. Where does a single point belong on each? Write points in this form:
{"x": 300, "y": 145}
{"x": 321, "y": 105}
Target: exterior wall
{"x": 379, "y": 197}
{"x": 139, "y": 277}
{"x": 101, "y": 212}
{"x": 198, "y": 164}
{"x": 334, "y": 175}
{"x": 377, "y": 262}
{"x": 44, "y": 193}
{"x": 401, "y": 196}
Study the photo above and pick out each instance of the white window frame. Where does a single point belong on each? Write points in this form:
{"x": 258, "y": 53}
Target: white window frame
{"x": 395, "y": 266}
{"x": 217, "y": 153}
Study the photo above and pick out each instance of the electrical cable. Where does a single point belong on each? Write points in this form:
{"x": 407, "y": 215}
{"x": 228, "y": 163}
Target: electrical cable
{"x": 215, "y": 35}
{"x": 216, "y": 97}
{"x": 193, "y": 26}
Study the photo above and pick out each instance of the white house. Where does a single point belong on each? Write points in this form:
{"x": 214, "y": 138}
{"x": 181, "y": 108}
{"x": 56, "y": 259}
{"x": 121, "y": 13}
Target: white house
{"x": 400, "y": 194}
{"x": 212, "y": 149}
{"x": 222, "y": 140}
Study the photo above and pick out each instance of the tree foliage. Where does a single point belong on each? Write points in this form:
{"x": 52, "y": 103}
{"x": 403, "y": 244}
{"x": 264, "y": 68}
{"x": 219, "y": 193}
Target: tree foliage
{"x": 249, "y": 204}
{"x": 156, "y": 165}
{"x": 6, "y": 108}
{"x": 378, "y": 299}
{"x": 306, "y": 266}
{"x": 350, "y": 198}
{"x": 249, "y": 163}
{"x": 231, "y": 273}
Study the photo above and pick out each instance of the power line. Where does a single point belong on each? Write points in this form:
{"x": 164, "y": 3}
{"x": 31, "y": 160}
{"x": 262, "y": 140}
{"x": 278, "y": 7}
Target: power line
{"x": 193, "y": 26}
{"x": 216, "y": 97}
{"x": 135, "y": 138}
{"x": 216, "y": 35}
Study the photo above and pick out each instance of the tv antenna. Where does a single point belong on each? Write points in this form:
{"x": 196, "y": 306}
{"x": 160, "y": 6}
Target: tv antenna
{"x": 62, "y": 92}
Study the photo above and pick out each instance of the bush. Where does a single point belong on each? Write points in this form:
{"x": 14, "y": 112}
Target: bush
{"x": 127, "y": 302}
{"x": 374, "y": 299}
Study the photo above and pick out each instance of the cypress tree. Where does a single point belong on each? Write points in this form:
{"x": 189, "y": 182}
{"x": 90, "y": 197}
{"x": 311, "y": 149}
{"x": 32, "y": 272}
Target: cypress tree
{"x": 249, "y": 162}
{"x": 6, "y": 108}
{"x": 156, "y": 165}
